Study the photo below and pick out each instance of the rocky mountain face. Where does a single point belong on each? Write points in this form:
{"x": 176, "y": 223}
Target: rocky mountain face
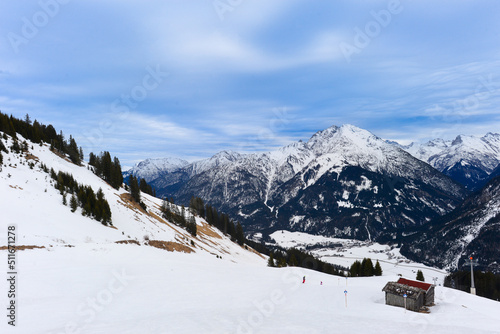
{"x": 473, "y": 229}
{"x": 467, "y": 159}
{"x": 344, "y": 181}
{"x": 168, "y": 182}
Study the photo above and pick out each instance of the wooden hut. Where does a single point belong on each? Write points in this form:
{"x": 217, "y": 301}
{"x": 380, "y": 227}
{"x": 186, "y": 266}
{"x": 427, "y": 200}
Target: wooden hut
{"x": 418, "y": 294}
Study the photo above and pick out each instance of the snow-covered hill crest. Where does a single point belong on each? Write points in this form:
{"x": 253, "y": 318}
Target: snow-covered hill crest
{"x": 31, "y": 202}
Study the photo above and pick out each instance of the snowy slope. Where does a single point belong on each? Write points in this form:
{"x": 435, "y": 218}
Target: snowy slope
{"x": 126, "y": 289}
{"x": 29, "y": 200}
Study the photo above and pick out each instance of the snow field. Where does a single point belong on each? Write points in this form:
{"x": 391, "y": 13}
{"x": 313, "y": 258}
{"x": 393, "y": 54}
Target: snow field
{"x": 132, "y": 289}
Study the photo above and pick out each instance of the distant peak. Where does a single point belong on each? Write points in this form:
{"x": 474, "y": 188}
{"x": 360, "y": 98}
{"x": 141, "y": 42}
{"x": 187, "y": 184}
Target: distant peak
{"x": 458, "y": 140}
{"x": 491, "y": 134}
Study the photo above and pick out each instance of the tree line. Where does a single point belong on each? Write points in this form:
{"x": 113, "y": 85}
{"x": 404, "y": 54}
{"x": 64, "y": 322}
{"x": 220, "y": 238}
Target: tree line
{"x": 39, "y": 133}
{"x": 278, "y": 257}
{"x": 93, "y": 204}
{"x": 107, "y": 169}
{"x": 487, "y": 283}
{"x": 221, "y": 221}
{"x": 365, "y": 268}
{"x": 171, "y": 212}
{"x": 294, "y": 257}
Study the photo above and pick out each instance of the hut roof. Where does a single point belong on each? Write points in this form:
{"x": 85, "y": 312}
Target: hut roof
{"x": 401, "y": 289}
{"x": 417, "y": 284}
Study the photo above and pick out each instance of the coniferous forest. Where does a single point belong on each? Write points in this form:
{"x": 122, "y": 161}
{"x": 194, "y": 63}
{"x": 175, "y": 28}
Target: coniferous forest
{"x": 92, "y": 204}
{"x": 38, "y": 133}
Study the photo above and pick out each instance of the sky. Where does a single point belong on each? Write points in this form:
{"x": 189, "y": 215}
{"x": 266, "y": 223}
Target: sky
{"x": 187, "y": 79}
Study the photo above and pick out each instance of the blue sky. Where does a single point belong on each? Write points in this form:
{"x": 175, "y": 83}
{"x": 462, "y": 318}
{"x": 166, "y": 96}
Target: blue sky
{"x": 183, "y": 78}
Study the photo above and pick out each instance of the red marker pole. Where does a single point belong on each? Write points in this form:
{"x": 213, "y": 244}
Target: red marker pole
{"x": 345, "y": 293}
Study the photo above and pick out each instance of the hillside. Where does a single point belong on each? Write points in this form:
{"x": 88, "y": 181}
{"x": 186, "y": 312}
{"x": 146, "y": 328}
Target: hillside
{"x": 30, "y": 201}
{"x": 472, "y": 229}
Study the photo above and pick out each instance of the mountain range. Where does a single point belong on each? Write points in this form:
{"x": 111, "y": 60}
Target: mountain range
{"x": 473, "y": 229}
{"x": 347, "y": 182}
{"x": 467, "y": 159}
{"x": 344, "y": 181}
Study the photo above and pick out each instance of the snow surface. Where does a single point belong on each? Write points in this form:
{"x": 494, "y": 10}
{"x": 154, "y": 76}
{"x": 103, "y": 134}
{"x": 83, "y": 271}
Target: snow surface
{"x": 132, "y": 289}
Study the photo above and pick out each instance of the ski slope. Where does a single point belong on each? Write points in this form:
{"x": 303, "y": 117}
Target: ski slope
{"x": 132, "y": 289}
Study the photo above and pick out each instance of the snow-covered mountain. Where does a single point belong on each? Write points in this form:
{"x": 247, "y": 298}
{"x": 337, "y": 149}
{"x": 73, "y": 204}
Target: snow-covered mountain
{"x": 151, "y": 169}
{"x": 343, "y": 181}
{"x": 466, "y": 159}
{"x": 473, "y": 229}
{"x": 166, "y": 179}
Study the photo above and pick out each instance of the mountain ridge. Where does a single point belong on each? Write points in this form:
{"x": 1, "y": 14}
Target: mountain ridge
{"x": 254, "y": 188}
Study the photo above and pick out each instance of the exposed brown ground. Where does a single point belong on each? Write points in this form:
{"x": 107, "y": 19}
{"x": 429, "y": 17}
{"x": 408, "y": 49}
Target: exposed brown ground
{"x": 170, "y": 246}
{"x": 205, "y": 229}
{"x": 21, "y": 247}
{"x": 128, "y": 202}
{"x": 30, "y": 156}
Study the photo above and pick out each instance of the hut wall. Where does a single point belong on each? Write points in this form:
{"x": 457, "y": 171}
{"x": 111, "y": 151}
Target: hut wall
{"x": 429, "y": 296}
{"x": 411, "y": 304}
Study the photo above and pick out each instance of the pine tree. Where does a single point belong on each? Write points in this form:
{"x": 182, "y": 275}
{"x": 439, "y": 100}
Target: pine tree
{"x": 191, "y": 226}
{"x": 293, "y": 261}
{"x": 240, "y": 236}
{"x": 378, "y": 269}
{"x": 420, "y": 276}
{"x": 355, "y": 269}
{"x": 134, "y": 189}
{"x": 73, "y": 203}
{"x": 73, "y": 151}
{"x": 367, "y": 267}
{"x": 270, "y": 262}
